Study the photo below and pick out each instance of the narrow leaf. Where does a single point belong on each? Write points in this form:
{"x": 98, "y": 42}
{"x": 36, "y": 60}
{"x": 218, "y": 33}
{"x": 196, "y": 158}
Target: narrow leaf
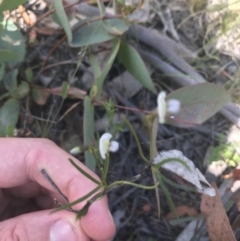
{"x": 62, "y": 17}
{"x": 166, "y": 192}
{"x": 2, "y": 71}
{"x": 69, "y": 205}
{"x": 88, "y": 132}
{"x": 132, "y": 61}
{"x": 64, "y": 90}
{"x": 97, "y": 86}
{"x": 95, "y": 32}
{"x": 83, "y": 172}
{"x": 9, "y": 114}
{"x": 95, "y": 66}
{"x": 101, "y": 7}
{"x": 198, "y": 103}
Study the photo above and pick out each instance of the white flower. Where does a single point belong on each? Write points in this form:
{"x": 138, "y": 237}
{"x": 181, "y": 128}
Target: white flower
{"x": 161, "y": 106}
{"x": 172, "y": 106}
{"x": 105, "y": 145}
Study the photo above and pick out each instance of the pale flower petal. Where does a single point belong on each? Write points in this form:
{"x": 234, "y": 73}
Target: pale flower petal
{"x": 114, "y": 146}
{"x": 75, "y": 151}
{"x": 173, "y": 106}
{"x": 161, "y": 106}
{"x": 104, "y": 144}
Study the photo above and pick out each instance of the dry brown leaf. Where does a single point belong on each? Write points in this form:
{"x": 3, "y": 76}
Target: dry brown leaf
{"x": 181, "y": 211}
{"x": 40, "y": 96}
{"x": 73, "y": 92}
{"x": 218, "y": 225}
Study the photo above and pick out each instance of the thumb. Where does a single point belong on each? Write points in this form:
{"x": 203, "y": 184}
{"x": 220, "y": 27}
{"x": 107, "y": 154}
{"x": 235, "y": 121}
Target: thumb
{"x": 38, "y": 226}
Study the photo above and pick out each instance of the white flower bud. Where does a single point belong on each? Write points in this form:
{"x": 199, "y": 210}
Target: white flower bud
{"x": 75, "y": 151}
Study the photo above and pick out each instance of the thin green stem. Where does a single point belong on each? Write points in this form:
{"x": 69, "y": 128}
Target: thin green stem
{"x": 117, "y": 183}
{"x": 105, "y": 169}
{"x": 136, "y": 139}
{"x": 156, "y": 193}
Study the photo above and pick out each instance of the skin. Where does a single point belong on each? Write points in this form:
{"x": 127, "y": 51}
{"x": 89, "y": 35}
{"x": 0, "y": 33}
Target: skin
{"x": 26, "y": 197}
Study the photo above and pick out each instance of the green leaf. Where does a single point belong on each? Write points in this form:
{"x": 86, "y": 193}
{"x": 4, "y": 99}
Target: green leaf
{"x": 112, "y": 29}
{"x": 62, "y": 17}
{"x": 88, "y": 132}
{"x": 29, "y": 75}
{"x": 132, "y": 61}
{"x": 10, "y": 131}
{"x": 10, "y": 5}
{"x": 95, "y": 32}
{"x": 69, "y": 205}
{"x": 198, "y": 103}
{"x": 84, "y": 172}
{"x": 64, "y": 91}
{"x": 2, "y": 71}
{"x": 97, "y": 86}
{"x": 6, "y": 55}
{"x": 22, "y": 90}
{"x": 9, "y": 114}
{"x": 10, "y": 80}
{"x": 101, "y": 7}
{"x": 95, "y": 66}
{"x": 12, "y": 42}
{"x": 166, "y": 192}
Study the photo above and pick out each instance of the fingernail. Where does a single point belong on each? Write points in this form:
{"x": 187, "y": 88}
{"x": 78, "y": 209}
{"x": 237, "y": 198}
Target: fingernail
{"x": 62, "y": 231}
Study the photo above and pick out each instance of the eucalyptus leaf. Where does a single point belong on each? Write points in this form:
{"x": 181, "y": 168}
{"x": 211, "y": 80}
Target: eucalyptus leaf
{"x": 62, "y": 18}
{"x": 198, "y": 103}
{"x": 9, "y": 114}
{"x": 95, "y": 32}
{"x": 88, "y": 132}
{"x": 132, "y": 61}
{"x": 10, "y": 5}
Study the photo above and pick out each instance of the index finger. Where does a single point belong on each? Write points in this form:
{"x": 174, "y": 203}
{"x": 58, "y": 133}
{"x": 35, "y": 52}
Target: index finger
{"x": 22, "y": 160}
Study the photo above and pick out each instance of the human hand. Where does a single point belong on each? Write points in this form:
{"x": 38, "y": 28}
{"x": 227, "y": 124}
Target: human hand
{"x": 24, "y": 191}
